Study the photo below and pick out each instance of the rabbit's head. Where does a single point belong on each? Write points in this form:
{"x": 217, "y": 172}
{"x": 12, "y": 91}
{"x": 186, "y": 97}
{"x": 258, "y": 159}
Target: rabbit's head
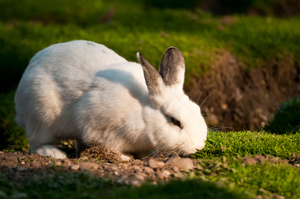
{"x": 179, "y": 125}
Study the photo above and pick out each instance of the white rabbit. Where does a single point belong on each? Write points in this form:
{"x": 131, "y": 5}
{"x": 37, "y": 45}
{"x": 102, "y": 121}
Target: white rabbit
{"x": 83, "y": 90}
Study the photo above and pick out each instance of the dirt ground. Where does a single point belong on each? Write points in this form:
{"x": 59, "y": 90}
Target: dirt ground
{"x": 19, "y": 167}
{"x": 237, "y": 98}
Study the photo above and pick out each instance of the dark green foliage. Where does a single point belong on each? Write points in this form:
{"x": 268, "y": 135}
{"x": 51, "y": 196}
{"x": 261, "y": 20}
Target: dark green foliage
{"x": 196, "y": 188}
{"x": 286, "y": 119}
{"x": 172, "y": 3}
{"x": 83, "y": 185}
{"x": 11, "y": 135}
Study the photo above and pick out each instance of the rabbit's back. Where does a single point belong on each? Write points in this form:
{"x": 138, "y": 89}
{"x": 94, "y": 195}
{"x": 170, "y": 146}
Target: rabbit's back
{"x": 59, "y": 78}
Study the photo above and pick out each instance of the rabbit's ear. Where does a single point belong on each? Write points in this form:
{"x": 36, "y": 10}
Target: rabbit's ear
{"x": 172, "y": 68}
{"x": 154, "y": 81}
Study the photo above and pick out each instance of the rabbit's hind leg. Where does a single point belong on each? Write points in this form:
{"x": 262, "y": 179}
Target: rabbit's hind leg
{"x": 49, "y": 150}
{"x": 40, "y": 143}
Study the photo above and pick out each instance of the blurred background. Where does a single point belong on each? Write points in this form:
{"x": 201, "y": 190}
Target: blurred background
{"x": 242, "y": 57}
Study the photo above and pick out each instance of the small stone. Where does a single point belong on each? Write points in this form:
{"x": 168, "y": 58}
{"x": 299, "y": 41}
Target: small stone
{"x": 113, "y": 168}
{"x": 183, "y": 164}
{"x": 139, "y": 176}
{"x": 19, "y": 168}
{"x": 137, "y": 162}
{"x": 148, "y": 170}
{"x": 224, "y": 107}
{"x": 22, "y": 162}
{"x": 159, "y": 175}
{"x": 155, "y": 163}
{"x": 173, "y": 159}
{"x": 84, "y": 158}
{"x": 175, "y": 169}
{"x": 166, "y": 173}
{"x": 132, "y": 180}
{"x": 58, "y": 163}
{"x": 178, "y": 175}
{"x": 137, "y": 168}
{"x": 116, "y": 173}
{"x": 88, "y": 166}
{"x": 74, "y": 167}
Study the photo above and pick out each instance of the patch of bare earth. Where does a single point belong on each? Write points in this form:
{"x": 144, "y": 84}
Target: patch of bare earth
{"x": 239, "y": 98}
{"x": 19, "y": 167}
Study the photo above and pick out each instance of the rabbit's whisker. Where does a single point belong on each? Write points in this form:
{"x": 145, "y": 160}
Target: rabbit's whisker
{"x": 206, "y": 98}
{"x": 202, "y": 91}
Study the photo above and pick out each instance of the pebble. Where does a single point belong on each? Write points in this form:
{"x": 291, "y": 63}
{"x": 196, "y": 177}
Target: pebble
{"x": 159, "y": 175}
{"x": 148, "y": 170}
{"x": 171, "y": 160}
{"x": 88, "y": 166}
{"x": 175, "y": 169}
{"x": 132, "y": 180}
{"x": 183, "y": 164}
{"x": 116, "y": 173}
{"x": 22, "y": 162}
{"x": 58, "y": 163}
{"x": 113, "y": 168}
{"x": 137, "y": 168}
{"x": 74, "y": 167}
{"x": 166, "y": 173}
{"x": 178, "y": 175}
{"x": 155, "y": 163}
{"x": 84, "y": 158}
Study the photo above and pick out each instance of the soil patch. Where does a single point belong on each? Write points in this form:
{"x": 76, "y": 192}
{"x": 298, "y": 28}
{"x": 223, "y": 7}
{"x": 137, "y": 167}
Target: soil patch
{"x": 19, "y": 167}
{"x": 233, "y": 98}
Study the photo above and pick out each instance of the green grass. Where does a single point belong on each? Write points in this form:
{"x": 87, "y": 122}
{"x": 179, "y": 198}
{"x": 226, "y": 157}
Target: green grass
{"x": 250, "y": 143}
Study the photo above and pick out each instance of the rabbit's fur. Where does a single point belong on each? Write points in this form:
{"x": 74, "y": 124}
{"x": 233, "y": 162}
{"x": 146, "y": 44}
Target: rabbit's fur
{"x": 83, "y": 90}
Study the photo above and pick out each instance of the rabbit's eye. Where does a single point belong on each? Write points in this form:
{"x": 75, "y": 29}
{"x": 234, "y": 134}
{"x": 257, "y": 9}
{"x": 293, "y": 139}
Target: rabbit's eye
{"x": 175, "y": 122}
